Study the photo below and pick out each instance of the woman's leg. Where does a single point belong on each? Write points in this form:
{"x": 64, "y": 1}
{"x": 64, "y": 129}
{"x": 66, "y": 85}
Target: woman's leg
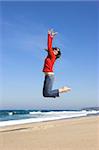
{"x": 47, "y": 88}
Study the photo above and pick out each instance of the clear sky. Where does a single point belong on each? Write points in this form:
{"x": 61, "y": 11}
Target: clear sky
{"x": 24, "y": 28}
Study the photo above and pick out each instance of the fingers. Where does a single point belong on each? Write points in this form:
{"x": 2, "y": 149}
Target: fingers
{"x": 52, "y": 32}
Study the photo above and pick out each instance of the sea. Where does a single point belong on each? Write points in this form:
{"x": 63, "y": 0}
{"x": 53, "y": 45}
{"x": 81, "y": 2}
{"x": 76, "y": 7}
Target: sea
{"x": 14, "y": 117}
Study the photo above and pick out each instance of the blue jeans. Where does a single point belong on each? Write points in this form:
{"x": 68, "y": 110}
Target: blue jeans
{"x": 47, "y": 88}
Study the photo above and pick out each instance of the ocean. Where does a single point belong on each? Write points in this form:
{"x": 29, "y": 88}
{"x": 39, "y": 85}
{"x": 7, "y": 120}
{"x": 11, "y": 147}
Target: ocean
{"x": 13, "y": 117}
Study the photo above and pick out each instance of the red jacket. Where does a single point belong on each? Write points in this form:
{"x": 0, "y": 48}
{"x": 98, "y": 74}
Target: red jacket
{"x": 50, "y": 59}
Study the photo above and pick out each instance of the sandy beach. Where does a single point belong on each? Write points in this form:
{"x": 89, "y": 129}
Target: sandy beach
{"x": 71, "y": 134}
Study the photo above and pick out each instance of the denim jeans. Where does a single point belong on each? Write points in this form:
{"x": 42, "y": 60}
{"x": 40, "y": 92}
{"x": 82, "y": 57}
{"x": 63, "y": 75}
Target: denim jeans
{"x": 47, "y": 88}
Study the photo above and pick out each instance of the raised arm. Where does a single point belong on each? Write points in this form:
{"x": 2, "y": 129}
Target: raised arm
{"x": 51, "y": 35}
{"x": 49, "y": 44}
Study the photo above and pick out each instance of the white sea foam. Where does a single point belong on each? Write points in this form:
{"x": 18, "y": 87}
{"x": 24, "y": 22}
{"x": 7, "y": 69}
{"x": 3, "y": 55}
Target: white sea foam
{"x": 10, "y": 113}
{"x": 35, "y": 112}
{"x": 46, "y": 116}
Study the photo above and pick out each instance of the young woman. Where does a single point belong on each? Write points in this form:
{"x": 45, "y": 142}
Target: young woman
{"x": 53, "y": 54}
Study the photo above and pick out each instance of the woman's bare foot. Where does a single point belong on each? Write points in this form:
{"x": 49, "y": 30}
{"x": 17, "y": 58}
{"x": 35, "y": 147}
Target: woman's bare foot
{"x": 64, "y": 89}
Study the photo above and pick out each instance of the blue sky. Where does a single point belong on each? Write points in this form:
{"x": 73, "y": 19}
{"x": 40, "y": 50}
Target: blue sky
{"x": 24, "y": 28}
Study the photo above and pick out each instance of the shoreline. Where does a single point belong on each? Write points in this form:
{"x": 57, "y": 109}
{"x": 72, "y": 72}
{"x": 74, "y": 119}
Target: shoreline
{"x": 65, "y": 134}
{"x": 30, "y": 120}
{"x": 39, "y": 122}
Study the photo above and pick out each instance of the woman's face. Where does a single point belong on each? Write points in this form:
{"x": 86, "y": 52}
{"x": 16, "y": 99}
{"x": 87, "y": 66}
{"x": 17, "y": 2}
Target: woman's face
{"x": 55, "y": 52}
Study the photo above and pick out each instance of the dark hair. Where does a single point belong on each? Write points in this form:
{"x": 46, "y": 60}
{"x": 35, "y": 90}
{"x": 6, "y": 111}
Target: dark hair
{"x": 59, "y": 52}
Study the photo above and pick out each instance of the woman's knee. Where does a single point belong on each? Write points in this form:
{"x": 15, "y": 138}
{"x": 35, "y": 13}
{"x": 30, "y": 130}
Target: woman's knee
{"x": 46, "y": 94}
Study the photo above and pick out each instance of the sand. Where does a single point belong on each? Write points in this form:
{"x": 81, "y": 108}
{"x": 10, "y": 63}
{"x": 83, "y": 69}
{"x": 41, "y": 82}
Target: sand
{"x": 71, "y": 134}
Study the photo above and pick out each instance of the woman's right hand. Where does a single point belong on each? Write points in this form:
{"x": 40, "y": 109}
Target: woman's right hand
{"x": 52, "y": 32}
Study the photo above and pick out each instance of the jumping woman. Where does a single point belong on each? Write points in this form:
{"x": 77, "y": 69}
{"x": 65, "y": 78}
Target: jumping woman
{"x": 53, "y": 54}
